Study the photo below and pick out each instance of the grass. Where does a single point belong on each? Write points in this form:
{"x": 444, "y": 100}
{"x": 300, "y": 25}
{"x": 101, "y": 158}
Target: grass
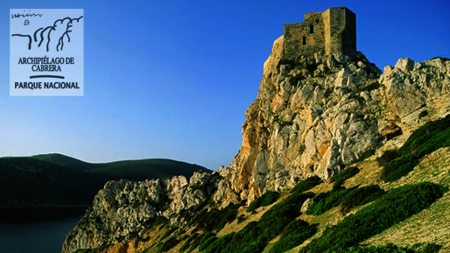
{"x": 428, "y": 138}
{"x": 394, "y": 207}
{"x": 430, "y": 225}
{"x": 255, "y": 236}
{"x": 390, "y": 248}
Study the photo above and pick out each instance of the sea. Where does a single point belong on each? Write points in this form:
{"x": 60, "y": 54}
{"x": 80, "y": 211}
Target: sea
{"x": 34, "y": 235}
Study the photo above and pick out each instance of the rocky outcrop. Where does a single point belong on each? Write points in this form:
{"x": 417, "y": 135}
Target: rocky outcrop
{"x": 312, "y": 116}
{"x": 317, "y": 115}
{"x": 125, "y": 209}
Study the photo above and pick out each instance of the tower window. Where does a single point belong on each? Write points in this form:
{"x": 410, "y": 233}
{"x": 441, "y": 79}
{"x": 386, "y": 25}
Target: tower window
{"x": 317, "y": 21}
{"x": 311, "y": 29}
{"x": 304, "y": 41}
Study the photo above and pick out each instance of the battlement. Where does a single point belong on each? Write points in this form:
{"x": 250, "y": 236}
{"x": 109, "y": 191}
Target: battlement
{"x": 330, "y": 32}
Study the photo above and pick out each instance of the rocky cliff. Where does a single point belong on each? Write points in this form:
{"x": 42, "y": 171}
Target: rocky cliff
{"x": 318, "y": 114}
{"x": 312, "y": 116}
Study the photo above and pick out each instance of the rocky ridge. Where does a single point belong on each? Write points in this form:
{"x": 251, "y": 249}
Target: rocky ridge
{"x": 312, "y": 116}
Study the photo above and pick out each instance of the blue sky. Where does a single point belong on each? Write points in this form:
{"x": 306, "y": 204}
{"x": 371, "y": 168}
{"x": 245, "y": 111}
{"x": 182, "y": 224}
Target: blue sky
{"x": 173, "y": 79}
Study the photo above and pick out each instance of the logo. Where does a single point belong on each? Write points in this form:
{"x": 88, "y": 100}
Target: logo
{"x": 46, "y": 52}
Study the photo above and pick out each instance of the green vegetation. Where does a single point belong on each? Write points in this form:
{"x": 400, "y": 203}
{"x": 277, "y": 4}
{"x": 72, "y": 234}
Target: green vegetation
{"x": 394, "y": 207}
{"x": 206, "y": 240}
{"x": 389, "y": 248}
{"x": 293, "y": 235}
{"x": 169, "y": 232}
{"x": 187, "y": 243}
{"x": 326, "y": 200}
{"x": 361, "y": 196}
{"x": 266, "y": 199}
{"x": 197, "y": 239}
{"x": 306, "y": 184}
{"x": 255, "y": 235}
{"x": 432, "y": 248}
{"x": 215, "y": 220}
{"x": 248, "y": 240}
{"x": 168, "y": 244}
{"x": 428, "y": 138}
{"x": 160, "y": 220}
{"x": 423, "y": 114}
{"x": 280, "y": 215}
{"x": 345, "y": 174}
{"x": 340, "y": 178}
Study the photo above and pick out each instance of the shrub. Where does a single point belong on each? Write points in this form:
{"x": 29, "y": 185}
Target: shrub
{"x": 388, "y": 248}
{"x": 219, "y": 244}
{"x": 187, "y": 243}
{"x": 306, "y": 184}
{"x": 387, "y": 156}
{"x": 423, "y": 114}
{"x": 428, "y": 138}
{"x": 293, "y": 235}
{"x": 361, "y": 196}
{"x": 281, "y": 214}
{"x": 325, "y": 201}
{"x": 206, "y": 240}
{"x": 338, "y": 184}
{"x": 168, "y": 244}
{"x": 266, "y": 199}
{"x": 169, "y": 232}
{"x": 432, "y": 248}
{"x": 249, "y": 239}
{"x": 345, "y": 174}
{"x": 255, "y": 235}
{"x": 159, "y": 220}
{"x": 241, "y": 218}
{"x": 394, "y": 207}
{"x": 404, "y": 168}
{"x": 216, "y": 219}
{"x": 196, "y": 241}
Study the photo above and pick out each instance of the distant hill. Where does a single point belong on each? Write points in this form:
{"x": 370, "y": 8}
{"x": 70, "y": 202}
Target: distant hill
{"x": 27, "y": 182}
{"x": 56, "y": 180}
{"x": 65, "y": 161}
{"x": 147, "y": 168}
{"x": 128, "y": 169}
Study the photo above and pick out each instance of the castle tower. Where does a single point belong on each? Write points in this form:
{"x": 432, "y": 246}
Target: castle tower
{"x": 330, "y": 32}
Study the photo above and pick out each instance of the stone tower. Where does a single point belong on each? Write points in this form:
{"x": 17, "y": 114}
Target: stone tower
{"x": 330, "y": 32}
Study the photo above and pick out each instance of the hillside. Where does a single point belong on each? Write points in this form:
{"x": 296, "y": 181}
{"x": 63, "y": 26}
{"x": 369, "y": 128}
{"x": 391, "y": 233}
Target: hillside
{"x": 357, "y": 206}
{"x": 66, "y": 161}
{"x": 129, "y": 169}
{"x": 336, "y": 156}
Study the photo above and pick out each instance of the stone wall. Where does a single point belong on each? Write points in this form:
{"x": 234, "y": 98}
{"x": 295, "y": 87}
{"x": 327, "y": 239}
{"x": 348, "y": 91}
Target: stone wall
{"x": 304, "y": 39}
{"x": 340, "y": 31}
{"x": 330, "y": 32}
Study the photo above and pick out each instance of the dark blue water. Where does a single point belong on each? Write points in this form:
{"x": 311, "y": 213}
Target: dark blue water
{"x": 35, "y": 237}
